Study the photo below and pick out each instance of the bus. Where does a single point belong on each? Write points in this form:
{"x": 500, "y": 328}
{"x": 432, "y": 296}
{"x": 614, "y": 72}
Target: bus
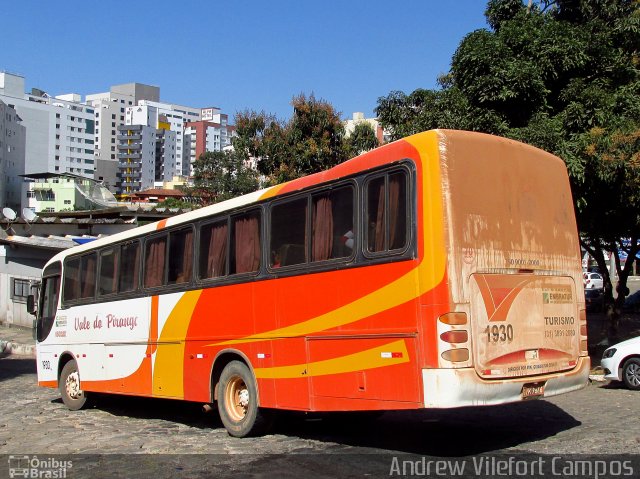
{"x": 438, "y": 271}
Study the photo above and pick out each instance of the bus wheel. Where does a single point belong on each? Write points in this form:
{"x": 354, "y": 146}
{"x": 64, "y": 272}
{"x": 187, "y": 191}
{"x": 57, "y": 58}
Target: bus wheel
{"x": 238, "y": 402}
{"x": 72, "y": 395}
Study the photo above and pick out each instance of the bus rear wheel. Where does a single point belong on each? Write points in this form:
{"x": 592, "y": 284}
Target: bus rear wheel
{"x": 238, "y": 402}
{"x": 69, "y": 384}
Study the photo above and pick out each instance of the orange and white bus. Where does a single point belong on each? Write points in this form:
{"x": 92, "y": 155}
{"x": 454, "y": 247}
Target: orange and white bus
{"x": 438, "y": 271}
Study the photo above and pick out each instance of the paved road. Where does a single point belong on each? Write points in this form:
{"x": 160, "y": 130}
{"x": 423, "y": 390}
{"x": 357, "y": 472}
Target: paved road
{"x": 601, "y": 419}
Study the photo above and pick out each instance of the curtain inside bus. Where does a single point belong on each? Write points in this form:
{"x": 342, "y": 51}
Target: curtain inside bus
{"x": 217, "y": 257}
{"x": 247, "y": 243}
{"x": 154, "y": 262}
{"x": 322, "y": 229}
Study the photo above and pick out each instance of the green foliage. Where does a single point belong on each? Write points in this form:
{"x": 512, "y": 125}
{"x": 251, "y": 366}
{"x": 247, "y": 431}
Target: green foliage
{"x": 362, "y": 139}
{"x": 312, "y": 140}
{"x": 220, "y": 175}
{"x": 562, "y": 75}
{"x": 172, "y": 203}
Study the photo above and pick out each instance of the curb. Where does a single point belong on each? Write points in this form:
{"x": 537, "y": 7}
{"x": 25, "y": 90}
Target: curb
{"x": 11, "y": 348}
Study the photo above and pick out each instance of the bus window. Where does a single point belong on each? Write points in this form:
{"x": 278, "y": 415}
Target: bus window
{"x": 129, "y": 267}
{"x": 397, "y": 207}
{"x": 213, "y": 250}
{"x": 180, "y": 256}
{"x": 71, "y": 283}
{"x": 155, "y": 261}
{"x": 107, "y": 283}
{"x": 288, "y": 233}
{"x": 48, "y": 305}
{"x": 88, "y": 267}
{"x": 80, "y": 277}
{"x": 332, "y": 224}
{"x": 245, "y": 243}
{"x": 387, "y": 212}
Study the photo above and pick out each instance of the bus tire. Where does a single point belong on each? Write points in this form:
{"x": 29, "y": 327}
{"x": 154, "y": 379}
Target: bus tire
{"x": 238, "y": 402}
{"x": 69, "y": 384}
{"x": 631, "y": 374}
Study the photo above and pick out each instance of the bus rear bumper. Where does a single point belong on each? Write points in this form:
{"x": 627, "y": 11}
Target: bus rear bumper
{"x": 449, "y": 388}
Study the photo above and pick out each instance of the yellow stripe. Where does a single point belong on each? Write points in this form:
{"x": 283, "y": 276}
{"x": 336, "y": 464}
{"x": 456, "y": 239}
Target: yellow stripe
{"x": 369, "y": 359}
{"x": 168, "y": 370}
{"x": 415, "y": 283}
{"x": 271, "y": 192}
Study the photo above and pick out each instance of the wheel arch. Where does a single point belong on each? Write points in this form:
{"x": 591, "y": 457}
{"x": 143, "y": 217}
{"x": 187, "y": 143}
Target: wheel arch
{"x": 624, "y": 360}
{"x": 64, "y": 359}
{"x": 223, "y": 358}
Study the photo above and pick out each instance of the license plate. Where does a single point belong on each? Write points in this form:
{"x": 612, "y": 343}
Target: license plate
{"x": 533, "y": 390}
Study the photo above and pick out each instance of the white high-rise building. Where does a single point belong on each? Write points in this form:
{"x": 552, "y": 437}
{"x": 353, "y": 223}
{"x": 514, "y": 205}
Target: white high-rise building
{"x": 12, "y": 144}
{"x": 165, "y": 116}
{"x": 59, "y": 130}
{"x": 110, "y": 110}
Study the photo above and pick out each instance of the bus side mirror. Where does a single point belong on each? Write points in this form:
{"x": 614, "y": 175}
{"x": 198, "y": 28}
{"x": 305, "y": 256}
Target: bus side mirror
{"x": 31, "y": 304}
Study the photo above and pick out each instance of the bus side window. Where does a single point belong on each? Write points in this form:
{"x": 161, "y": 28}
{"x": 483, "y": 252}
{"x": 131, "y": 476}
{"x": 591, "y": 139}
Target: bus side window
{"x": 129, "y": 267}
{"x": 107, "y": 283}
{"x": 71, "y": 284}
{"x": 155, "y": 261}
{"x": 386, "y": 214}
{"x": 288, "y": 233}
{"x": 80, "y": 277}
{"x": 88, "y": 271}
{"x": 180, "y": 256}
{"x": 213, "y": 250}
{"x": 245, "y": 243}
{"x": 332, "y": 233}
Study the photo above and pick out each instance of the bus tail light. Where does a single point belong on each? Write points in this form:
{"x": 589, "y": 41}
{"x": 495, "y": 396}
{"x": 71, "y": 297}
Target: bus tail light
{"x": 455, "y": 337}
{"x": 584, "y": 347}
{"x": 456, "y": 355}
{"x": 454, "y": 319}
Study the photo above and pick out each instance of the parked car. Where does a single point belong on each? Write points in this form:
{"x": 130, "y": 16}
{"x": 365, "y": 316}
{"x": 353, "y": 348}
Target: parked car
{"x": 592, "y": 280}
{"x": 621, "y": 362}
{"x": 594, "y": 299}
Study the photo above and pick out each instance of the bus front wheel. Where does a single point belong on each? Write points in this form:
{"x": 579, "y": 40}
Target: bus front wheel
{"x": 69, "y": 384}
{"x": 238, "y": 402}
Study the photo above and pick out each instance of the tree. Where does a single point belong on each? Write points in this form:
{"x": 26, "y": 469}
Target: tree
{"x": 176, "y": 203}
{"x": 562, "y": 75}
{"x": 220, "y": 175}
{"x": 311, "y": 141}
{"x": 363, "y": 138}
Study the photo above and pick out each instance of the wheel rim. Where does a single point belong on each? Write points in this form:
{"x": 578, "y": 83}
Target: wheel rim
{"x": 72, "y": 385}
{"x": 633, "y": 374}
{"x": 237, "y": 398}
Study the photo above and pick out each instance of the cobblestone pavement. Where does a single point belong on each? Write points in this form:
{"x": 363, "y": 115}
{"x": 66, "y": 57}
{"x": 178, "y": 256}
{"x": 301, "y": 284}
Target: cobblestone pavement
{"x": 601, "y": 419}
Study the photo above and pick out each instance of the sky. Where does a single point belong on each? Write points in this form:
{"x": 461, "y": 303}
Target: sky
{"x": 238, "y": 55}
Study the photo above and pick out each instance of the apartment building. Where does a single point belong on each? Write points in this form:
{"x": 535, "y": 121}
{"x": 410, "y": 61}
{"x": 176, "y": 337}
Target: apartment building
{"x": 165, "y": 116}
{"x": 212, "y": 133}
{"x": 12, "y": 151}
{"x": 145, "y": 156}
{"x": 109, "y": 115}
{"x": 59, "y": 131}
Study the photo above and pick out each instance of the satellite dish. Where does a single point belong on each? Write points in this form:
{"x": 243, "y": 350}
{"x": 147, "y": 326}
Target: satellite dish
{"x": 28, "y": 214}
{"x": 9, "y": 213}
